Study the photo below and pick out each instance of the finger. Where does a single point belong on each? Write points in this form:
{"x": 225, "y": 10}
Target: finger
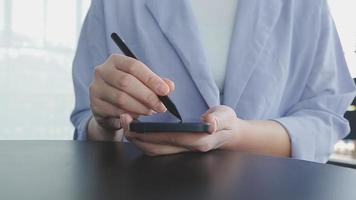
{"x": 126, "y": 119}
{"x": 141, "y": 72}
{"x": 128, "y": 83}
{"x": 207, "y": 118}
{"x": 192, "y": 141}
{"x": 107, "y": 114}
{"x": 120, "y": 99}
{"x": 170, "y": 83}
{"x": 213, "y": 123}
{"x": 211, "y": 110}
{"x": 110, "y": 124}
{"x": 156, "y": 149}
{"x": 221, "y": 118}
{"x": 104, "y": 109}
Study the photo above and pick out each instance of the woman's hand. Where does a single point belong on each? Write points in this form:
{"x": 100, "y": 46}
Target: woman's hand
{"x": 224, "y": 127}
{"x": 123, "y": 85}
{"x": 226, "y": 132}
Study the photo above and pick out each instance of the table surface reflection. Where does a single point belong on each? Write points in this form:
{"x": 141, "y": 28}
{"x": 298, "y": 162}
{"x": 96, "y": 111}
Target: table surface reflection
{"x": 108, "y": 170}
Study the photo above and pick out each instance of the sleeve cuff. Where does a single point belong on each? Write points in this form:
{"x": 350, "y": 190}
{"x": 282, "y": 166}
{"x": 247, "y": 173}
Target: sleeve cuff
{"x": 302, "y": 141}
{"x": 81, "y": 132}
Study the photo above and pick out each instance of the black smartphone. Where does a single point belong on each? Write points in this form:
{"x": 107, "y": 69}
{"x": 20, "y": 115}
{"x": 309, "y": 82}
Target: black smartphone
{"x": 184, "y": 127}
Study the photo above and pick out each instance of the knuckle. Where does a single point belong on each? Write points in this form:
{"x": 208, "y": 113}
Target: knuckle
{"x": 133, "y": 65}
{"x": 97, "y": 72}
{"x": 97, "y": 109}
{"x": 114, "y": 60}
{"x": 152, "y": 80}
{"x": 92, "y": 89}
{"x": 227, "y": 109}
{"x": 114, "y": 57}
{"x": 120, "y": 99}
{"x": 94, "y": 106}
{"x": 124, "y": 81}
{"x": 153, "y": 100}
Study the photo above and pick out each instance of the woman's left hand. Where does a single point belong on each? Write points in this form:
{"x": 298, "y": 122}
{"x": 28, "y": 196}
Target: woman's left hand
{"x": 224, "y": 128}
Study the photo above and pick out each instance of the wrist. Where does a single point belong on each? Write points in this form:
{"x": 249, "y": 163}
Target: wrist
{"x": 261, "y": 136}
{"x": 240, "y": 128}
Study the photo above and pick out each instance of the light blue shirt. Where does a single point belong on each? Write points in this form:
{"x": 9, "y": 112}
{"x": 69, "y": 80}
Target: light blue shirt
{"x": 285, "y": 64}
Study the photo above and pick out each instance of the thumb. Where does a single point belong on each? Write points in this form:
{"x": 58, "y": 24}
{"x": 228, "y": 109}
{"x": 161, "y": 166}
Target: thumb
{"x": 219, "y": 118}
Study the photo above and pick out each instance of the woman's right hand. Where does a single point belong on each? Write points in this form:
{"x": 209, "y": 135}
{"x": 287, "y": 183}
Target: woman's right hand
{"x": 125, "y": 85}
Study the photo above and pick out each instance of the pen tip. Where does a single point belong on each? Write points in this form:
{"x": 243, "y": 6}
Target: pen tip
{"x": 179, "y": 117}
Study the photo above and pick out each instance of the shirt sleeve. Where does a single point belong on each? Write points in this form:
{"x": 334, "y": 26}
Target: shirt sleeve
{"x": 316, "y": 122}
{"x": 91, "y": 51}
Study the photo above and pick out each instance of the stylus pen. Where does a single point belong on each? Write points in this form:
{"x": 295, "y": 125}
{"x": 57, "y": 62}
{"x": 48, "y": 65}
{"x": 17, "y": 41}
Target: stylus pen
{"x": 164, "y": 99}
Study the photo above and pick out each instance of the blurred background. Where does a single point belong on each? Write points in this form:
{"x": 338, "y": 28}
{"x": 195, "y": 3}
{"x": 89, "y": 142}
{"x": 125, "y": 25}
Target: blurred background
{"x": 37, "y": 44}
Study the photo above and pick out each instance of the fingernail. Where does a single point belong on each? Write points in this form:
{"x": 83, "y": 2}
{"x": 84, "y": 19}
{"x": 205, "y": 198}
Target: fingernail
{"x": 161, "y": 108}
{"x": 162, "y": 90}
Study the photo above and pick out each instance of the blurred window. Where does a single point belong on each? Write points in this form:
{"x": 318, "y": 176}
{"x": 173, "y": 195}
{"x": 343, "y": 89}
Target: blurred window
{"x": 55, "y": 35}
{"x": 344, "y": 13}
{"x": 37, "y": 44}
{"x": 2, "y": 15}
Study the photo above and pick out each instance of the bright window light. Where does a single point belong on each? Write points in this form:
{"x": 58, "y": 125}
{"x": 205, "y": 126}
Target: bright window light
{"x": 344, "y": 13}
{"x": 27, "y": 21}
{"x": 85, "y": 6}
{"x": 61, "y": 23}
{"x": 36, "y": 54}
{"x": 2, "y": 15}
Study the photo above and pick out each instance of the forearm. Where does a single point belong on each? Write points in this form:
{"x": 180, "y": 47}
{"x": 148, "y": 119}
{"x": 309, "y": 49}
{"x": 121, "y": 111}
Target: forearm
{"x": 98, "y": 133}
{"x": 264, "y": 137}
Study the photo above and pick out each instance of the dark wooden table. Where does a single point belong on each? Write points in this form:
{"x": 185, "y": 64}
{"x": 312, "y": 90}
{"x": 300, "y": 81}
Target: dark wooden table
{"x": 68, "y": 170}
